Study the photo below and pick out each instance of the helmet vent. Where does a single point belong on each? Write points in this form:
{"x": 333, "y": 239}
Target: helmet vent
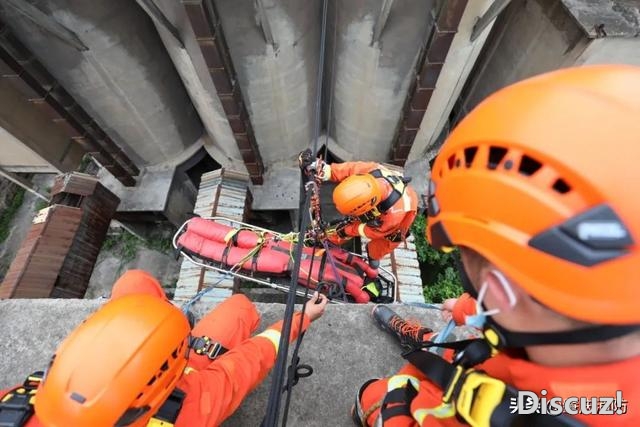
{"x": 561, "y": 186}
{"x": 451, "y": 161}
{"x": 496, "y": 154}
{"x": 528, "y": 166}
{"x": 469, "y": 155}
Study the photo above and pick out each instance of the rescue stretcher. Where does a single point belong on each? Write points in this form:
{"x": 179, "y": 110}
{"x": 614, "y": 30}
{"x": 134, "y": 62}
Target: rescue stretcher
{"x": 266, "y": 257}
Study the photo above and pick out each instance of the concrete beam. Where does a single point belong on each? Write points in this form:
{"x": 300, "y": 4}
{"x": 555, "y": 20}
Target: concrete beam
{"x": 372, "y": 82}
{"x": 48, "y": 24}
{"x": 125, "y": 82}
{"x": 17, "y": 157}
{"x": 265, "y": 25}
{"x": 344, "y": 347}
{"x": 219, "y": 140}
{"x": 278, "y": 87}
{"x": 205, "y": 21}
{"x": 456, "y": 68}
{"x": 152, "y": 10}
{"x": 489, "y": 16}
{"x": 381, "y": 21}
{"x": 36, "y": 131}
{"x": 22, "y": 183}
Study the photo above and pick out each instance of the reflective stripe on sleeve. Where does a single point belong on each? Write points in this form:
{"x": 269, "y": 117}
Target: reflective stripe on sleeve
{"x": 273, "y": 336}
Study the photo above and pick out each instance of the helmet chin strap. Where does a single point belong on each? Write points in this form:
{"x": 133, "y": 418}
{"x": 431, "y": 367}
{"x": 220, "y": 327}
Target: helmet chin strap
{"x": 500, "y": 337}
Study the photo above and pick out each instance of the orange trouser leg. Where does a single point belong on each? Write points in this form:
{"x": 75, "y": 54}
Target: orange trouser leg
{"x": 375, "y": 392}
{"x": 378, "y": 248}
{"x": 230, "y": 323}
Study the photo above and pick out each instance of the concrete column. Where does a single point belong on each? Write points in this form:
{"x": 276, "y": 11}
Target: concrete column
{"x": 460, "y": 60}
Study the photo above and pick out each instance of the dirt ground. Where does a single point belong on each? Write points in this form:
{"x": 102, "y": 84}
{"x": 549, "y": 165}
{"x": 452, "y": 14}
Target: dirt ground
{"x": 110, "y": 266}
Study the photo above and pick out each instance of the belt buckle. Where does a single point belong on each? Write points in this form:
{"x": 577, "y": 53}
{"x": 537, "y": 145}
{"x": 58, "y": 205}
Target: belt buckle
{"x": 206, "y": 347}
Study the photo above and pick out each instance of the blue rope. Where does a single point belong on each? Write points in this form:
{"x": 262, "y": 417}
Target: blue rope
{"x": 187, "y": 306}
{"x": 444, "y": 333}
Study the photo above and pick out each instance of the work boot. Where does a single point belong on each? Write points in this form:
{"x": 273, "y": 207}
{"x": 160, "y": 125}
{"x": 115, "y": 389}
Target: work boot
{"x": 410, "y": 334}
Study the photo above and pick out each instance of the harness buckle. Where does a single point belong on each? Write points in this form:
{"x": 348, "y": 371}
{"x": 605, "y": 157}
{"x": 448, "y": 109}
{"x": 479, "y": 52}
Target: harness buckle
{"x": 475, "y": 395}
{"x": 205, "y": 346}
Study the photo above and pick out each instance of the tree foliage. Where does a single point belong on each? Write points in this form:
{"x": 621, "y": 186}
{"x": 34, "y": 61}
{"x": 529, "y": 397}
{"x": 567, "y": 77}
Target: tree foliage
{"x": 439, "y": 271}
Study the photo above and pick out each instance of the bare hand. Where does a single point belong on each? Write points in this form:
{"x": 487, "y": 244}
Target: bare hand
{"x": 313, "y": 310}
{"x": 447, "y": 308}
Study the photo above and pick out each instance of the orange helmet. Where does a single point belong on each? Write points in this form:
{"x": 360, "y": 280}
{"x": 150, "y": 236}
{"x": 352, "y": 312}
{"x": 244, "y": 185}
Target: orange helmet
{"x": 117, "y": 367}
{"x": 357, "y": 195}
{"x": 538, "y": 179}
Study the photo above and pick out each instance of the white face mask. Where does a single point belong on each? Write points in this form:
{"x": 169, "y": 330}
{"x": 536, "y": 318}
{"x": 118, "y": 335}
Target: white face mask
{"x": 479, "y": 319}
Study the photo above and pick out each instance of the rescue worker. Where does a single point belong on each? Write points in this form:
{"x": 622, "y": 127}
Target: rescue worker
{"x": 137, "y": 362}
{"x": 377, "y": 204}
{"x": 533, "y": 186}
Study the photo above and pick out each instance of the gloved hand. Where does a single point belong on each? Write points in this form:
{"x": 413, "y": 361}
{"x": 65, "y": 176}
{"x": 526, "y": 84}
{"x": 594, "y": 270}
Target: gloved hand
{"x": 305, "y": 159}
{"x": 337, "y": 227}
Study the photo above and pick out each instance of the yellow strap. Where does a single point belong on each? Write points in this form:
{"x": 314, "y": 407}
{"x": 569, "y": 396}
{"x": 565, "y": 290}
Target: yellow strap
{"x": 273, "y": 336}
{"x": 444, "y": 410}
{"x": 154, "y": 422}
{"x": 230, "y": 235}
{"x": 361, "y": 230}
{"x": 398, "y": 381}
{"x": 371, "y": 287}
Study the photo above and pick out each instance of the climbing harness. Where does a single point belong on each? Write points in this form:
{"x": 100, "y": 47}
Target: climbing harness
{"x": 479, "y": 399}
{"x": 397, "y": 182}
{"x": 17, "y": 406}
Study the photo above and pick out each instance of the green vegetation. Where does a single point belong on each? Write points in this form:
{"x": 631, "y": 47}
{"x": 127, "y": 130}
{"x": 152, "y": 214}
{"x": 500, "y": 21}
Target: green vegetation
{"x": 84, "y": 163}
{"x": 7, "y": 215}
{"x": 41, "y": 204}
{"x": 439, "y": 270}
{"x": 126, "y": 245}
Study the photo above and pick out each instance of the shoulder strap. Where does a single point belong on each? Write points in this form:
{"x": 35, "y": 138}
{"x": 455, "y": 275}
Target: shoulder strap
{"x": 16, "y": 407}
{"x": 397, "y": 183}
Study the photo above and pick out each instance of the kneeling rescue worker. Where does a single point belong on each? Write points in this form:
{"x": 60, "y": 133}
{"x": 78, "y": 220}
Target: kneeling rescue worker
{"x": 377, "y": 203}
{"x": 533, "y": 188}
{"x": 137, "y": 362}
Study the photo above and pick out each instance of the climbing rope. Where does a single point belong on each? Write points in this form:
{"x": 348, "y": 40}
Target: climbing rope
{"x": 275, "y": 395}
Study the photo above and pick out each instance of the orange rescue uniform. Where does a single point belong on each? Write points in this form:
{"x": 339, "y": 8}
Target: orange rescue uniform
{"x": 565, "y": 381}
{"x": 398, "y": 218}
{"x": 215, "y": 388}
